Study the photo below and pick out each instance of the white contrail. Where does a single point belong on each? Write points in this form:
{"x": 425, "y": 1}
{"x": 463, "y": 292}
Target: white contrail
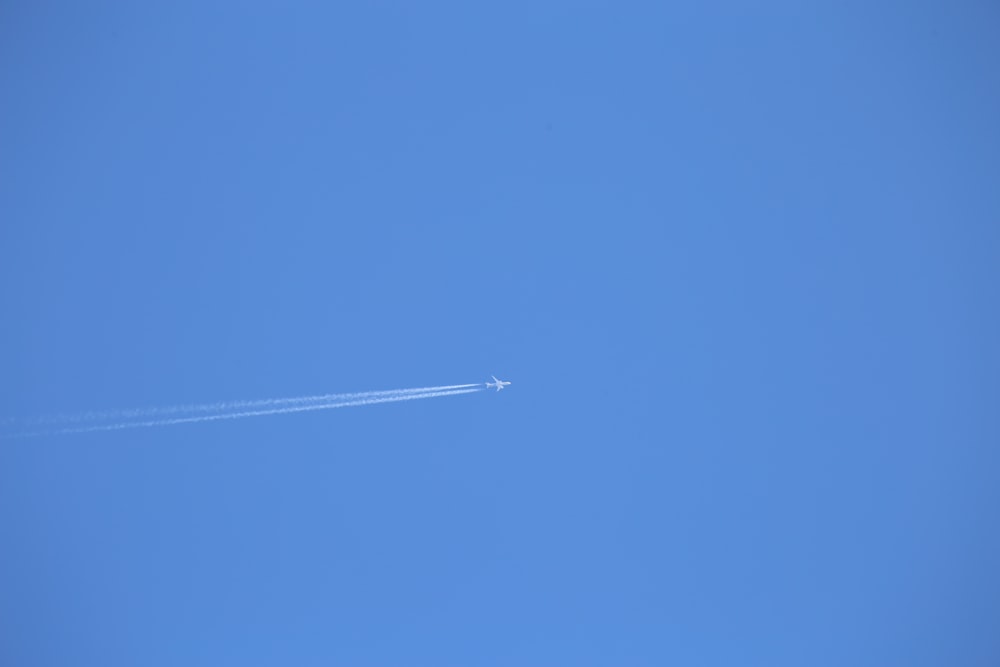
{"x": 371, "y": 400}
{"x": 223, "y": 406}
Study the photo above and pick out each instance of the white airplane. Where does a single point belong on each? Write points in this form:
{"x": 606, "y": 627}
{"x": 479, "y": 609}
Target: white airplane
{"x": 499, "y": 384}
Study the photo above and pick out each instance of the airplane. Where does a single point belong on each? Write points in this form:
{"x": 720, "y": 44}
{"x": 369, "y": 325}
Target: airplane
{"x": 499, "y": 384}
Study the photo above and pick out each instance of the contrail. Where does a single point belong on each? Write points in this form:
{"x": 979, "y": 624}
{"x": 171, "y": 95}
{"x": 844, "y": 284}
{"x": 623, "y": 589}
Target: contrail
{"x": 372, "y": 399}
{"x": 223, "y": 406}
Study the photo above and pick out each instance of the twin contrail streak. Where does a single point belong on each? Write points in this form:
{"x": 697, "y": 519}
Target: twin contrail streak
{"x": 229, "y": 406}
{"x": 239, "y": 409}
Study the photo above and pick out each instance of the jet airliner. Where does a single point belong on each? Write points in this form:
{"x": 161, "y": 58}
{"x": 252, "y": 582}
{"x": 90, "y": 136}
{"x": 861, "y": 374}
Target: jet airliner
{"x": 499, "y": 384}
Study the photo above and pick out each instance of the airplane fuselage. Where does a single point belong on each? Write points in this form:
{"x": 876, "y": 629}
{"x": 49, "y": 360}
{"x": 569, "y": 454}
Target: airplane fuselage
{"x": 499, "y": 384}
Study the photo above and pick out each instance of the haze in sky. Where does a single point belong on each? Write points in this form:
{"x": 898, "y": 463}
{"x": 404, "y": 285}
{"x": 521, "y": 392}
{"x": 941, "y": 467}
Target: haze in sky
{"x": 740, "y": 264}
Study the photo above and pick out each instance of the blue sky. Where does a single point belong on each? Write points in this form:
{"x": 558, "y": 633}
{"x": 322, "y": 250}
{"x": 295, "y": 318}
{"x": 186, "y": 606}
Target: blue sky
{"x": 740, "y": 263}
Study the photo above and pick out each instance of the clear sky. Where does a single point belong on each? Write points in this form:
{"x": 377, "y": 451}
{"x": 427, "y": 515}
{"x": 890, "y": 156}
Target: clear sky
{"x": 741, "y": 263}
